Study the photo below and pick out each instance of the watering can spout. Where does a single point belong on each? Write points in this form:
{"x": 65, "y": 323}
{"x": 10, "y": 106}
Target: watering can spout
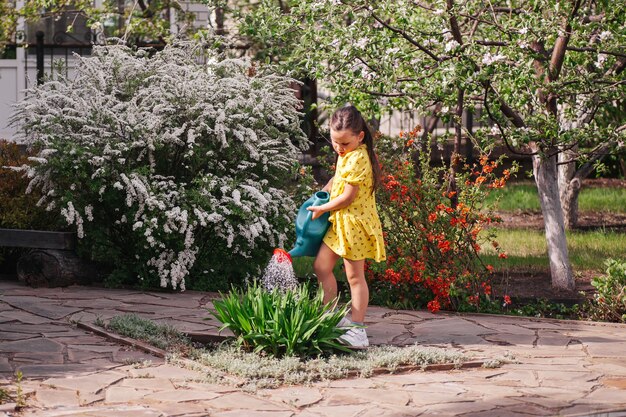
{"x": 309, "y": 233}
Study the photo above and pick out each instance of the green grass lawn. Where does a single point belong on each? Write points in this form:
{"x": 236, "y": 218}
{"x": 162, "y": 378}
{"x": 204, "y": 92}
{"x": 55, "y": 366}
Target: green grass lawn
{"x": 523, "y": 196}
{"x": 527, "y": 248}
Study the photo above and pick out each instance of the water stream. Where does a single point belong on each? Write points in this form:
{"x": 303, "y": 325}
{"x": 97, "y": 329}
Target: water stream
{"x": 279, "y": 273}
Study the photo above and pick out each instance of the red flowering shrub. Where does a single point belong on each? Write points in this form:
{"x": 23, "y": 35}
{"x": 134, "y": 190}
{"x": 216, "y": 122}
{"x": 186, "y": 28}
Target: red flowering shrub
{"x": 431, "y": 234}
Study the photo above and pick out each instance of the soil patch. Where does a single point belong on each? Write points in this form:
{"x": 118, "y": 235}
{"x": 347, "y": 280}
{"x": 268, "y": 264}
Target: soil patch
{"x": 588, "y": 220}
{"x": 532, "y": 285}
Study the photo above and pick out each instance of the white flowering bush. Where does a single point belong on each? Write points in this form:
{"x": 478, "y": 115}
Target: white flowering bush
{"x": 169, "y": 165}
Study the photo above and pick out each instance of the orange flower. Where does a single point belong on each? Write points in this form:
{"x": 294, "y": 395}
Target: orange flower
{"x": 409, "y": 143}
{"x": 432, "y": 217}
{"x": 480, "y": 179}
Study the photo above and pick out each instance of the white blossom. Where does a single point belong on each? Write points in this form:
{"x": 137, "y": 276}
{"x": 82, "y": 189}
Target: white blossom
{"x": 89, "y": 212}
{"x": 489, "y": 58}
{"x": 451, "y": 45}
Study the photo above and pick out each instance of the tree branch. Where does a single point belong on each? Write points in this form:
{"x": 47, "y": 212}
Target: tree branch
{"x": 597, "y": 154}
{"x": 593, "y": 18}
{"x": 407, "y": 37}
{"x": 454, "y": 23}
{"x": 560, "y": 46}
{"x": 374, "y": 93}
{"x": 504, "y": 138}
{"x": 589, "y": 49}
{"x": 569, "y": 48}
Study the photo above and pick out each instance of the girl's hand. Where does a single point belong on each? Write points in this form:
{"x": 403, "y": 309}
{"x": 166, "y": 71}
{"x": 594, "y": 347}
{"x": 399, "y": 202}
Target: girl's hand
{"x": 317, "y": 211}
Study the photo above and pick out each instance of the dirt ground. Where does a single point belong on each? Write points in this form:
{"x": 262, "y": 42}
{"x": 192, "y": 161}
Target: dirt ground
{"x": 531, "y": 284}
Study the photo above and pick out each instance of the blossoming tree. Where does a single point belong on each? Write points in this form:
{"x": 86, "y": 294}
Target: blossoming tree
{"x": 141, "y": 21}
{"x": 547, "y": 74}
{"x": 169, "y": 163}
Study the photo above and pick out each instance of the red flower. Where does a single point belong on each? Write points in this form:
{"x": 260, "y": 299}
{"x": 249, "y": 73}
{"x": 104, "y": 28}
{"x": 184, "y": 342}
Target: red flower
{"x": 507, "y": 300}
{"x": 433, "y": 306}
{"x": 444, "y": 246}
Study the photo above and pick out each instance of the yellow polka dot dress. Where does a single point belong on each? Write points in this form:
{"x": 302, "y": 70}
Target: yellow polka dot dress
{"x": 355, "y": 231}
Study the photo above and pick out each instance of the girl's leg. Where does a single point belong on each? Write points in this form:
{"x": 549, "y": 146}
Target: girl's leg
{"x": 355, "y": 271}
{"x": 323, "y": 266}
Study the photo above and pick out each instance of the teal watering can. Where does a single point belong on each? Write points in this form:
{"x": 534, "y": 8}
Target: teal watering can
{"x": 309, "y": 233}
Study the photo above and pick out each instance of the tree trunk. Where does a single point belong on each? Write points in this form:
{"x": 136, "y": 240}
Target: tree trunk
{"x": 569, "y": 203}
{"x": 456, "y": 151}
{"x": 54, "y": 268}
{"x": 546, "y": 178}
{"x": 569, "y": 187}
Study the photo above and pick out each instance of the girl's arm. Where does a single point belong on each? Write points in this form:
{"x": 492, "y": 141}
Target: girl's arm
{"x": 344, "y": 200}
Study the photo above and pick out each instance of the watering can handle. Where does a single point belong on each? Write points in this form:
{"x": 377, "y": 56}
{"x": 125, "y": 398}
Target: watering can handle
{"x": 307, "y": 221}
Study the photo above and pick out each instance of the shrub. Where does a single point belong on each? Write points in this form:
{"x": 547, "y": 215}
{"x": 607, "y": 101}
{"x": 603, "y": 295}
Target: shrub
{"x": 169, "y": 165}
{"x": 609, "y": 302}
{"x": 432, "y": 234}
{"x": 280, "y": 323}
{"x": 19, "y": 210}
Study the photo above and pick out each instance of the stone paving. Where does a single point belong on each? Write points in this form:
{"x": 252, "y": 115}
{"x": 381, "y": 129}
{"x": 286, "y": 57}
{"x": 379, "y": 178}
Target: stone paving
{"x": 560, "y": 367}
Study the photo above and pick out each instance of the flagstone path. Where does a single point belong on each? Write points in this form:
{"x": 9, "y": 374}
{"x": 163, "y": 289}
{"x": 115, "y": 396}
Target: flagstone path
{"x": 559, "y": 367}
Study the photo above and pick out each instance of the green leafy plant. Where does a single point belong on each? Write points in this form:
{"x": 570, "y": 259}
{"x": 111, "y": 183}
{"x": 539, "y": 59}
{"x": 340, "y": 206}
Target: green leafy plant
{"x": 289, "y": 323}
{"x": 609, "y": 302}
{"x": 163, "y": 336}
{"x": 20, "y": 398}
{"x": 545, "y": 309}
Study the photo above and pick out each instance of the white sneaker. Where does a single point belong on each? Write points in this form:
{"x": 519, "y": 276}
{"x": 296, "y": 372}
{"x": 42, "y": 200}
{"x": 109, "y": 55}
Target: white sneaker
{"x": 345, "y": 323}
{"x": 355, "y": 337}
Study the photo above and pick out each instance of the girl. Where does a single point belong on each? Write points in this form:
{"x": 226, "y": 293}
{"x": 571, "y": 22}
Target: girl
{"x": 355, "y": 232}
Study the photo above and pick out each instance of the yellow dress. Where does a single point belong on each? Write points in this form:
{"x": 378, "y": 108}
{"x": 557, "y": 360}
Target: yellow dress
{"x": 355, "y": 231}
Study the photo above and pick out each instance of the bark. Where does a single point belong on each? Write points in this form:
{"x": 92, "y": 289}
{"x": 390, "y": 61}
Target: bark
{"x": 571, "y": 179}
{"x": 54, "y": 268}
{"x": 546, "y": 177}
{"x": 456, "y": 152}
{"x": 569, "y": 187}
